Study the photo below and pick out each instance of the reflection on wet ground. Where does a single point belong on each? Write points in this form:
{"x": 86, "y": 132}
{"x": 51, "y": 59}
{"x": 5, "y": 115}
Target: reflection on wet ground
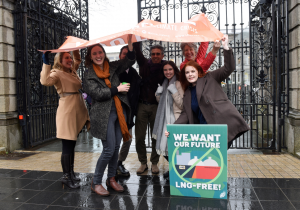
{"x": 257, "y": 180}
{"x": 21, "y": 189}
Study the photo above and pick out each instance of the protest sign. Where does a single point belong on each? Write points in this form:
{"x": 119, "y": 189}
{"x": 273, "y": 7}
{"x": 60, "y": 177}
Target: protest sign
{"x": 198, "y": 160}
{"x": 197, "y": 29}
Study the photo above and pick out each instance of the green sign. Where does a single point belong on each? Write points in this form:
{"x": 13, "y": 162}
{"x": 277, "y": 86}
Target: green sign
{"x": 198, "y": 160}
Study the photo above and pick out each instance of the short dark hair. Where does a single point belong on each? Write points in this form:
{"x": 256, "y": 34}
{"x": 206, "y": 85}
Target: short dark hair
{"x": 175, "y": 68}
{"x": 88, "y": 61}
{"x": 126, "y": 46}
{"x": 157, "y": 47}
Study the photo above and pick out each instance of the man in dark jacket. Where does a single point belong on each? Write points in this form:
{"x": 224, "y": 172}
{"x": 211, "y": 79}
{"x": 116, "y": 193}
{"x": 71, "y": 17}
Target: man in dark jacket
{"x": 129, "y": 76}
{"x": 152, "y": 74}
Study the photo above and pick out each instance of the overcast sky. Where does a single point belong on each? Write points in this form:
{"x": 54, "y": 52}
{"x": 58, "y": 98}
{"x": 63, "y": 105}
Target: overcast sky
{"x": 111, "y": 16}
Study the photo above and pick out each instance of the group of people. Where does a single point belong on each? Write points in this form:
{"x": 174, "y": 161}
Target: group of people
{"x": 158, "y": 95}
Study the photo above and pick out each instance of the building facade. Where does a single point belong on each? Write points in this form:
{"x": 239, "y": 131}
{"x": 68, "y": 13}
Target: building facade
{"x": 292, "y": 122}
{"x": 10, "y": 130}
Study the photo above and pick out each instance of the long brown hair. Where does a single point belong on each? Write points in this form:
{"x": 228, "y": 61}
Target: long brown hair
{"x": 88, "y": 60}
{"x": 183, "y": 81}
{"x": 175, "y": 68}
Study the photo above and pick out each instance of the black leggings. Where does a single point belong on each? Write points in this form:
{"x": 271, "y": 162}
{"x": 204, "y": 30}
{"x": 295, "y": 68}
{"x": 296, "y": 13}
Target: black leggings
{"x": 68, "y": 146}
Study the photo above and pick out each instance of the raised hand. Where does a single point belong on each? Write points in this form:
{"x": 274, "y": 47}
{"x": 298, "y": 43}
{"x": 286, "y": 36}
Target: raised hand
{"x": 129, "y": 40}
{"x": 225, "y": 42}
{"x": 46, "y": 58}
{"x": 216, "y": 47}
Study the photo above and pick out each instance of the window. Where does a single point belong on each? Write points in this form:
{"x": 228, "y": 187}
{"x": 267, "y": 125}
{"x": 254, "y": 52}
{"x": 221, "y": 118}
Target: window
{"x": 233, "y": 78}
{"x": 239, "y": 78}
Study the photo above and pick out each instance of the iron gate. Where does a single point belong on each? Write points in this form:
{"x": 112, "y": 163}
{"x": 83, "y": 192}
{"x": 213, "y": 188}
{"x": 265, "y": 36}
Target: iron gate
{"x": 258, "y": 35}
{"x": 42, "y": 24}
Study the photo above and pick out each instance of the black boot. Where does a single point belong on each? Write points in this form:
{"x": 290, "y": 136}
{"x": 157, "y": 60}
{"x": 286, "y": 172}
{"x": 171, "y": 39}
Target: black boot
{"x": 121, "y": 170}
{"x": 72, "y": 168}
{"x": 166, "y": 174}
{"x": 67, "y": 180}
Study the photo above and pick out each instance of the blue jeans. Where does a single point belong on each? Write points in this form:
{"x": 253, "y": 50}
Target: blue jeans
{"x": 111, "y": 146}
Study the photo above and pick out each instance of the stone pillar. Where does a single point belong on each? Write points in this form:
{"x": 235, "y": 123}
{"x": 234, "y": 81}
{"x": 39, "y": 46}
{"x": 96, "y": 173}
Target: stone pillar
{"x": 10, "y": 131}
{"x": 292, "y": 122}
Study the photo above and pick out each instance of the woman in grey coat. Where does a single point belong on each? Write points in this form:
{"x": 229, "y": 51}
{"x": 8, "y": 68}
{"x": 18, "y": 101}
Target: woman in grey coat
{"x": 204, "y": 100}
{"x": 109, "y": 111}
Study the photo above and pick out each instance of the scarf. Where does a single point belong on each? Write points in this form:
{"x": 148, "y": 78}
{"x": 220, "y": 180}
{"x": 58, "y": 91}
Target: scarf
{"x": 164, "y": 116}
{"x": 104, "y": 74}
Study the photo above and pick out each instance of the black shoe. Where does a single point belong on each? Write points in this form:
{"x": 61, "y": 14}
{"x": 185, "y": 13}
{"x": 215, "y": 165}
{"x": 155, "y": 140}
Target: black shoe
{"x": 122, "y": 171}
{"x": 166, "y": 174}
{"x": 66, "y": 180}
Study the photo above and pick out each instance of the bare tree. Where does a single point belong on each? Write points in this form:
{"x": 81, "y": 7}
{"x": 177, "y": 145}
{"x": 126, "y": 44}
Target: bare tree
{"x": 101, "y": 7}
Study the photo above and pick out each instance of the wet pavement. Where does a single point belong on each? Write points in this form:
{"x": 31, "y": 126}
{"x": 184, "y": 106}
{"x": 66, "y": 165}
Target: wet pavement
{"x": 38, "y": 190}
{"x": 257, "y": 180}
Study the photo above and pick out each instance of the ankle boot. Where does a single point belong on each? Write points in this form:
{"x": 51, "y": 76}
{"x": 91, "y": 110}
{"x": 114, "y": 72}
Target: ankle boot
{"x": 111, "y": 182}
{"x": 67, "y": 180}
{"x": 99, "y": 189}
{"x": 72, "y": 168}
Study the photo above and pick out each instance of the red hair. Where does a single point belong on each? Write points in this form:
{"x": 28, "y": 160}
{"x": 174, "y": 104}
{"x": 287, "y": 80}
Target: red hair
{"x": 183, "y": 81}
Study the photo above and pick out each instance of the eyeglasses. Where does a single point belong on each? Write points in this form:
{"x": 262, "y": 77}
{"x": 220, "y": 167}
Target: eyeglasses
{"x": 155, "y": 54}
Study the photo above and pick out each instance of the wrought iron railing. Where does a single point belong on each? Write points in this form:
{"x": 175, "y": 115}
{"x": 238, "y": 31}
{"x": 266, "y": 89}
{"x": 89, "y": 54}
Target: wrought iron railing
{"x": 255, "y": 28}
{"x": 42, "y": 24}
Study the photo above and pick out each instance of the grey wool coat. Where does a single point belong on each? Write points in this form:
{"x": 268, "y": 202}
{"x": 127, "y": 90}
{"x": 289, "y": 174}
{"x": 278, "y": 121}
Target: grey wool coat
{"x": 101, "y": 95}
{"x": 213, "y": 102}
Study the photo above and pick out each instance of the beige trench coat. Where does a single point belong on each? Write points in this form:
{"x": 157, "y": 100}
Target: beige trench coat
{"x": 177, "y": 100}
{"x": 72, "y": 113}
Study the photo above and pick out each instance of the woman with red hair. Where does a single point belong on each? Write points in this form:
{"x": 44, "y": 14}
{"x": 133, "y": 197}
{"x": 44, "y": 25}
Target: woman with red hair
{"x": 204, "y": 100}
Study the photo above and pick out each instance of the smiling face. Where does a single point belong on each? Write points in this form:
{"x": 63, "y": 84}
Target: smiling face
{"x": 97, "y": 55}
{"x": 156, "y": 55}
{"x": 67, "y": 60}
{"x": 191, "y": 74}
{"x": 189, "y": 53}
{"x": 168, "y": 71}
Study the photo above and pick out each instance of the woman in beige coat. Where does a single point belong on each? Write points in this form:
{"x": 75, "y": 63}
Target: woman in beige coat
{"x": 170, "y": 104}
{"x": 71, "y": 113}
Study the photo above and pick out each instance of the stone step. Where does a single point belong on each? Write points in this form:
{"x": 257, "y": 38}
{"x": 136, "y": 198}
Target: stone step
{"x": 265, "y": 134}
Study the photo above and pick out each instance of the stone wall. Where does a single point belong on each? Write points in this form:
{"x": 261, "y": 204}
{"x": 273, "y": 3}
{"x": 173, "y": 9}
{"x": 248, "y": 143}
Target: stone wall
{"x": 10, "y": 131}
{"x": 292, "y": 122}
